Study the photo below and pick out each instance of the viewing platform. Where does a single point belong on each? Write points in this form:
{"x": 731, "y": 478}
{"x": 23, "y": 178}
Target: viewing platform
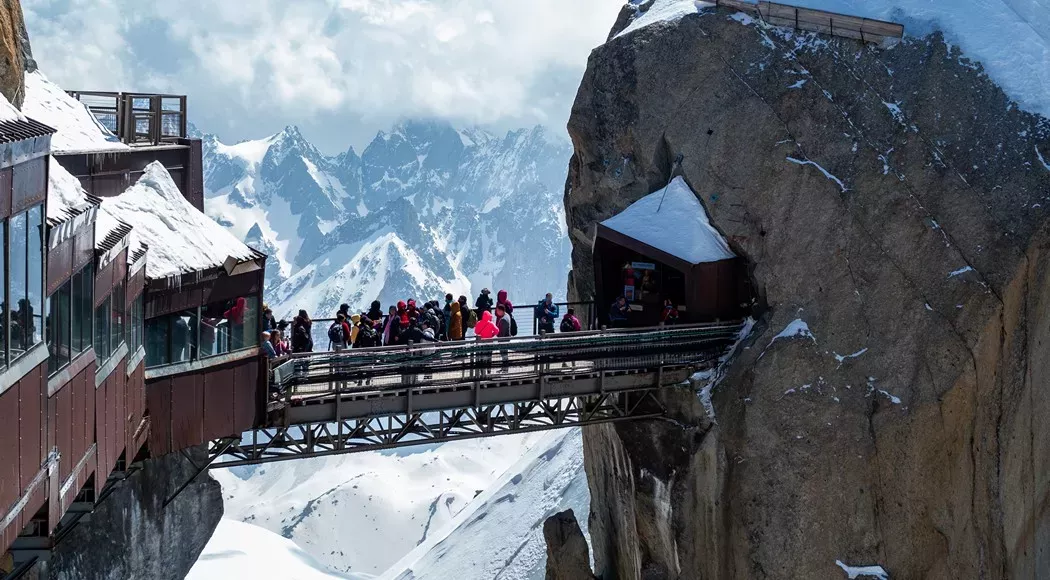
{"x": 150, "y": 127}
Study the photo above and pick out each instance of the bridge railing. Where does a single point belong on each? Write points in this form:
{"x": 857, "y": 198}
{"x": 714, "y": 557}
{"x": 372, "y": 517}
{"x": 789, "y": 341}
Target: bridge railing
{"x": 138, "y": 118}
{"x": 455, "y": 362}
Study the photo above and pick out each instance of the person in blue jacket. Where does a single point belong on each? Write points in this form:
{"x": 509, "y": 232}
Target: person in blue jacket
{"x": 546, "y": 313}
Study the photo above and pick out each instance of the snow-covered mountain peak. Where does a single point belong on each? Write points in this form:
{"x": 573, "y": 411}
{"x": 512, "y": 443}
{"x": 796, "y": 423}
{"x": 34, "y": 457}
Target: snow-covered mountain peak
{"x": 425, "y": 209}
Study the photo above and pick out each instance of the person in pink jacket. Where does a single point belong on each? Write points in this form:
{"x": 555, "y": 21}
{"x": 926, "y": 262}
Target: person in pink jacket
{"x": 486, "y": 328}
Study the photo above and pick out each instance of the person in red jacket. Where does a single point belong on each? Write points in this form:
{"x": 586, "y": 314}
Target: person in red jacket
{"x": 486, "y": 327}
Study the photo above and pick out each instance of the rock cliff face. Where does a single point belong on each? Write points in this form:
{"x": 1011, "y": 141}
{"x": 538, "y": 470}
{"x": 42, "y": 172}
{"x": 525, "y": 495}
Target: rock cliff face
{"x": 132, "y": 534}
{"x": 892, "y": 202}
{"x": 14, "y": 52}
{"x": 567, "y": 555}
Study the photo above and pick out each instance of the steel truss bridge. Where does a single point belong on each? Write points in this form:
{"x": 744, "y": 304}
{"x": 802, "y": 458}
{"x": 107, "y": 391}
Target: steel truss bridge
{"x": 358, "y": 400}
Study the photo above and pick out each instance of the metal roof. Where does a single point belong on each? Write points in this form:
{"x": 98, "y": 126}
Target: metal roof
{"x": 18, "y": 130}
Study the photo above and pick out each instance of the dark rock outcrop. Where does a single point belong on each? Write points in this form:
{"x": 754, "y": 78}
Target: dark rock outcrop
{"x": 14, "y": 46}
{"x": 567, "y": 555}
{"x": 131, "y": 534}
{"x": 894, "y": 201}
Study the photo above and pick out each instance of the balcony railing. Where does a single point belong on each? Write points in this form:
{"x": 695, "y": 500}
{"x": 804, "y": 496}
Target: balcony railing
{"x": 138, "y": 118}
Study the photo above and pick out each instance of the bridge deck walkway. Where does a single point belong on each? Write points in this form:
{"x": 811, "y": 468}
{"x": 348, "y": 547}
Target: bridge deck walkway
{"x": 333, "y": 403}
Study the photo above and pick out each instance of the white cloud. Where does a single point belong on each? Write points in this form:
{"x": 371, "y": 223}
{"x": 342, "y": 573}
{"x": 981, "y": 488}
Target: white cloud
{"x": 330, "y": 66}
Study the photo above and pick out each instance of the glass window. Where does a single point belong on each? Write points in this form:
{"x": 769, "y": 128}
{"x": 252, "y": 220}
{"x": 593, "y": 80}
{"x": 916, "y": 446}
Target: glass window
{"x": 117, "y": 320}
{"x": 183, "y": 336}
{"x": 83, "y": 294}
{"x": 58, "y": 328}
{"x": 35, "y": 275}
{"x": 102, "y": 315}
{"x": 230, "y": 325}
{"x": 20, "y": 315}
{"x": 134, "y": 327}
{"x": 157, "y": 342}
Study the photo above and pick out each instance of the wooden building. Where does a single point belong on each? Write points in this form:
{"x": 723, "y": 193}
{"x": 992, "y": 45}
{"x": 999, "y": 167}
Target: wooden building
{"x": 663, "y": 248}
{"x": 111, "y": 351}
{"x": 28, "y": 458}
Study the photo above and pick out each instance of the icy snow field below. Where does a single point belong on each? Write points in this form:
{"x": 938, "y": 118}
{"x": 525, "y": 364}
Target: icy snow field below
{"x": 467, "y": 509}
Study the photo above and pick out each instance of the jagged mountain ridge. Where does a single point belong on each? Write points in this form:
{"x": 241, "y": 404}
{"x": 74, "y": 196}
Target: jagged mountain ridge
{"x": 425, "y": 209}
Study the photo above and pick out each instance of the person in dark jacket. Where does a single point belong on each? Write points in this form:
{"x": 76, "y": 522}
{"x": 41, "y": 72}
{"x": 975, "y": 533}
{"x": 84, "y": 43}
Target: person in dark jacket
{"x": 375, "y": 313}
{"x": 416, "y": 334}
{"x": 546, "y": 313}
{"x": 368, "y": 336}
{"x": 302, "y": 339}
{"x": 618, "y": 313}
{"x": 484, "y": 302}
{"x": 447, "y": 313}
{"x": 269, "y": 322}
{"x": 503, "y": 321}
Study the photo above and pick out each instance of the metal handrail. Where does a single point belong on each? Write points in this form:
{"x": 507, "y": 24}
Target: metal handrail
{"x": 126, "y": 116}
{"x": 432, "y": 358}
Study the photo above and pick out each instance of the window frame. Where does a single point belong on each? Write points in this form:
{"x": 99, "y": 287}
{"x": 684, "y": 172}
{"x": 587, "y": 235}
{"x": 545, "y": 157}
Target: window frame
{"x": 7, "y": 357}
{"x": 167, "y": 322}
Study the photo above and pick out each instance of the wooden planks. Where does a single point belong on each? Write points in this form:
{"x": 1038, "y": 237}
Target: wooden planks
{"x": 820, "y": 21}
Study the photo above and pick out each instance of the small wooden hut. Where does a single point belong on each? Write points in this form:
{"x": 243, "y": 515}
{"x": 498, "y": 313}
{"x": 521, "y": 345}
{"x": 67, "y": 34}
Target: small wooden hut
{"x": 662, "y": 247}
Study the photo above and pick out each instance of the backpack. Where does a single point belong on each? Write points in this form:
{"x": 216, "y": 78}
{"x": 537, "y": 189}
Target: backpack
{"x": 472, "y": 318}
{"x": 336, "y": 333}
{"x": 513, "y": 326}
{"x": 567, "y": 325}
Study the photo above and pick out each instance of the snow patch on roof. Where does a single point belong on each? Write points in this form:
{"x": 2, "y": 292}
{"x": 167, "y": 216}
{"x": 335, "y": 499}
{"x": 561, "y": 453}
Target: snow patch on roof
{"x": 8, "y": 112}
{"x": 665, "y": 11}
{"x": 78, "y": 130}
{"x": 65, "y": 196}
{"x": 181, "y": 239}
{"x": 673, "y": 220}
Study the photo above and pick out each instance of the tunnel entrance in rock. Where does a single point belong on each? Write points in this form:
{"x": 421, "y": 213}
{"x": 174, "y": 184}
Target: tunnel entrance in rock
{"x": 660, "y": 261}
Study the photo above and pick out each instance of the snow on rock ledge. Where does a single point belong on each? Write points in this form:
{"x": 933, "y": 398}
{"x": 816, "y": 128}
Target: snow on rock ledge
{"x": 180, "y": 238}
{"x": 672, "y": 220}
{"x": 78, "y": 130}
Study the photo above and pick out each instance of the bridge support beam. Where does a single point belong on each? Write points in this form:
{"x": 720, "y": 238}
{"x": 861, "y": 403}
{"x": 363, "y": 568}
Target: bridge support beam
{"x": 320, "y": 439}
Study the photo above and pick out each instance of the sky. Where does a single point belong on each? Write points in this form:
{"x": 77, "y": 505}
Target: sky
{"x": 339, "y": 69}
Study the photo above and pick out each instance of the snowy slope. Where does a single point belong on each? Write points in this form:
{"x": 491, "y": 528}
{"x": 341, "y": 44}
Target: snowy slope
{"x": 240, "y": 550}
{"x": 500, "y": 534}
{"x": 363, "y": 512}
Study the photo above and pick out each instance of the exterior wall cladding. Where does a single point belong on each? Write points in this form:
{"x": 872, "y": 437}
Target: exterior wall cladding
{"x": 77, "y": 427}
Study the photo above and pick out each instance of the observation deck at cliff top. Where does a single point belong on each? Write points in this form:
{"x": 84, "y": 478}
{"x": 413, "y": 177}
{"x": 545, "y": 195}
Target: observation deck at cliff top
{"x": 359, "y": 400}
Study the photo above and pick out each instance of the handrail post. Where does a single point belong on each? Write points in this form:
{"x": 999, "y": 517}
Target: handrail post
{"x": 155, "y": 119}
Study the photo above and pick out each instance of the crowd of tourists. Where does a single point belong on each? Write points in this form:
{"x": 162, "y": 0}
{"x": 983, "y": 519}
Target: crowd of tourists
{"x": 410, "y": 322}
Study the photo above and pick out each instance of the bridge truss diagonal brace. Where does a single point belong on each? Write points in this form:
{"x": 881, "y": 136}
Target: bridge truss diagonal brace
{"x": 283, "y": 443}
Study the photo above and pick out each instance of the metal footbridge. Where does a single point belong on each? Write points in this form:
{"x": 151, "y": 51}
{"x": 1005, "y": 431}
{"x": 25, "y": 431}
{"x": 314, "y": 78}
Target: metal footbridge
{"x": 363, "y": 399}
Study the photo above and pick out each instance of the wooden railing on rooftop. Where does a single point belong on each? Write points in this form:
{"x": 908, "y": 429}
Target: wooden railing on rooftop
{"x": 138, "y": 118}
{"x": 865, "y": 29}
